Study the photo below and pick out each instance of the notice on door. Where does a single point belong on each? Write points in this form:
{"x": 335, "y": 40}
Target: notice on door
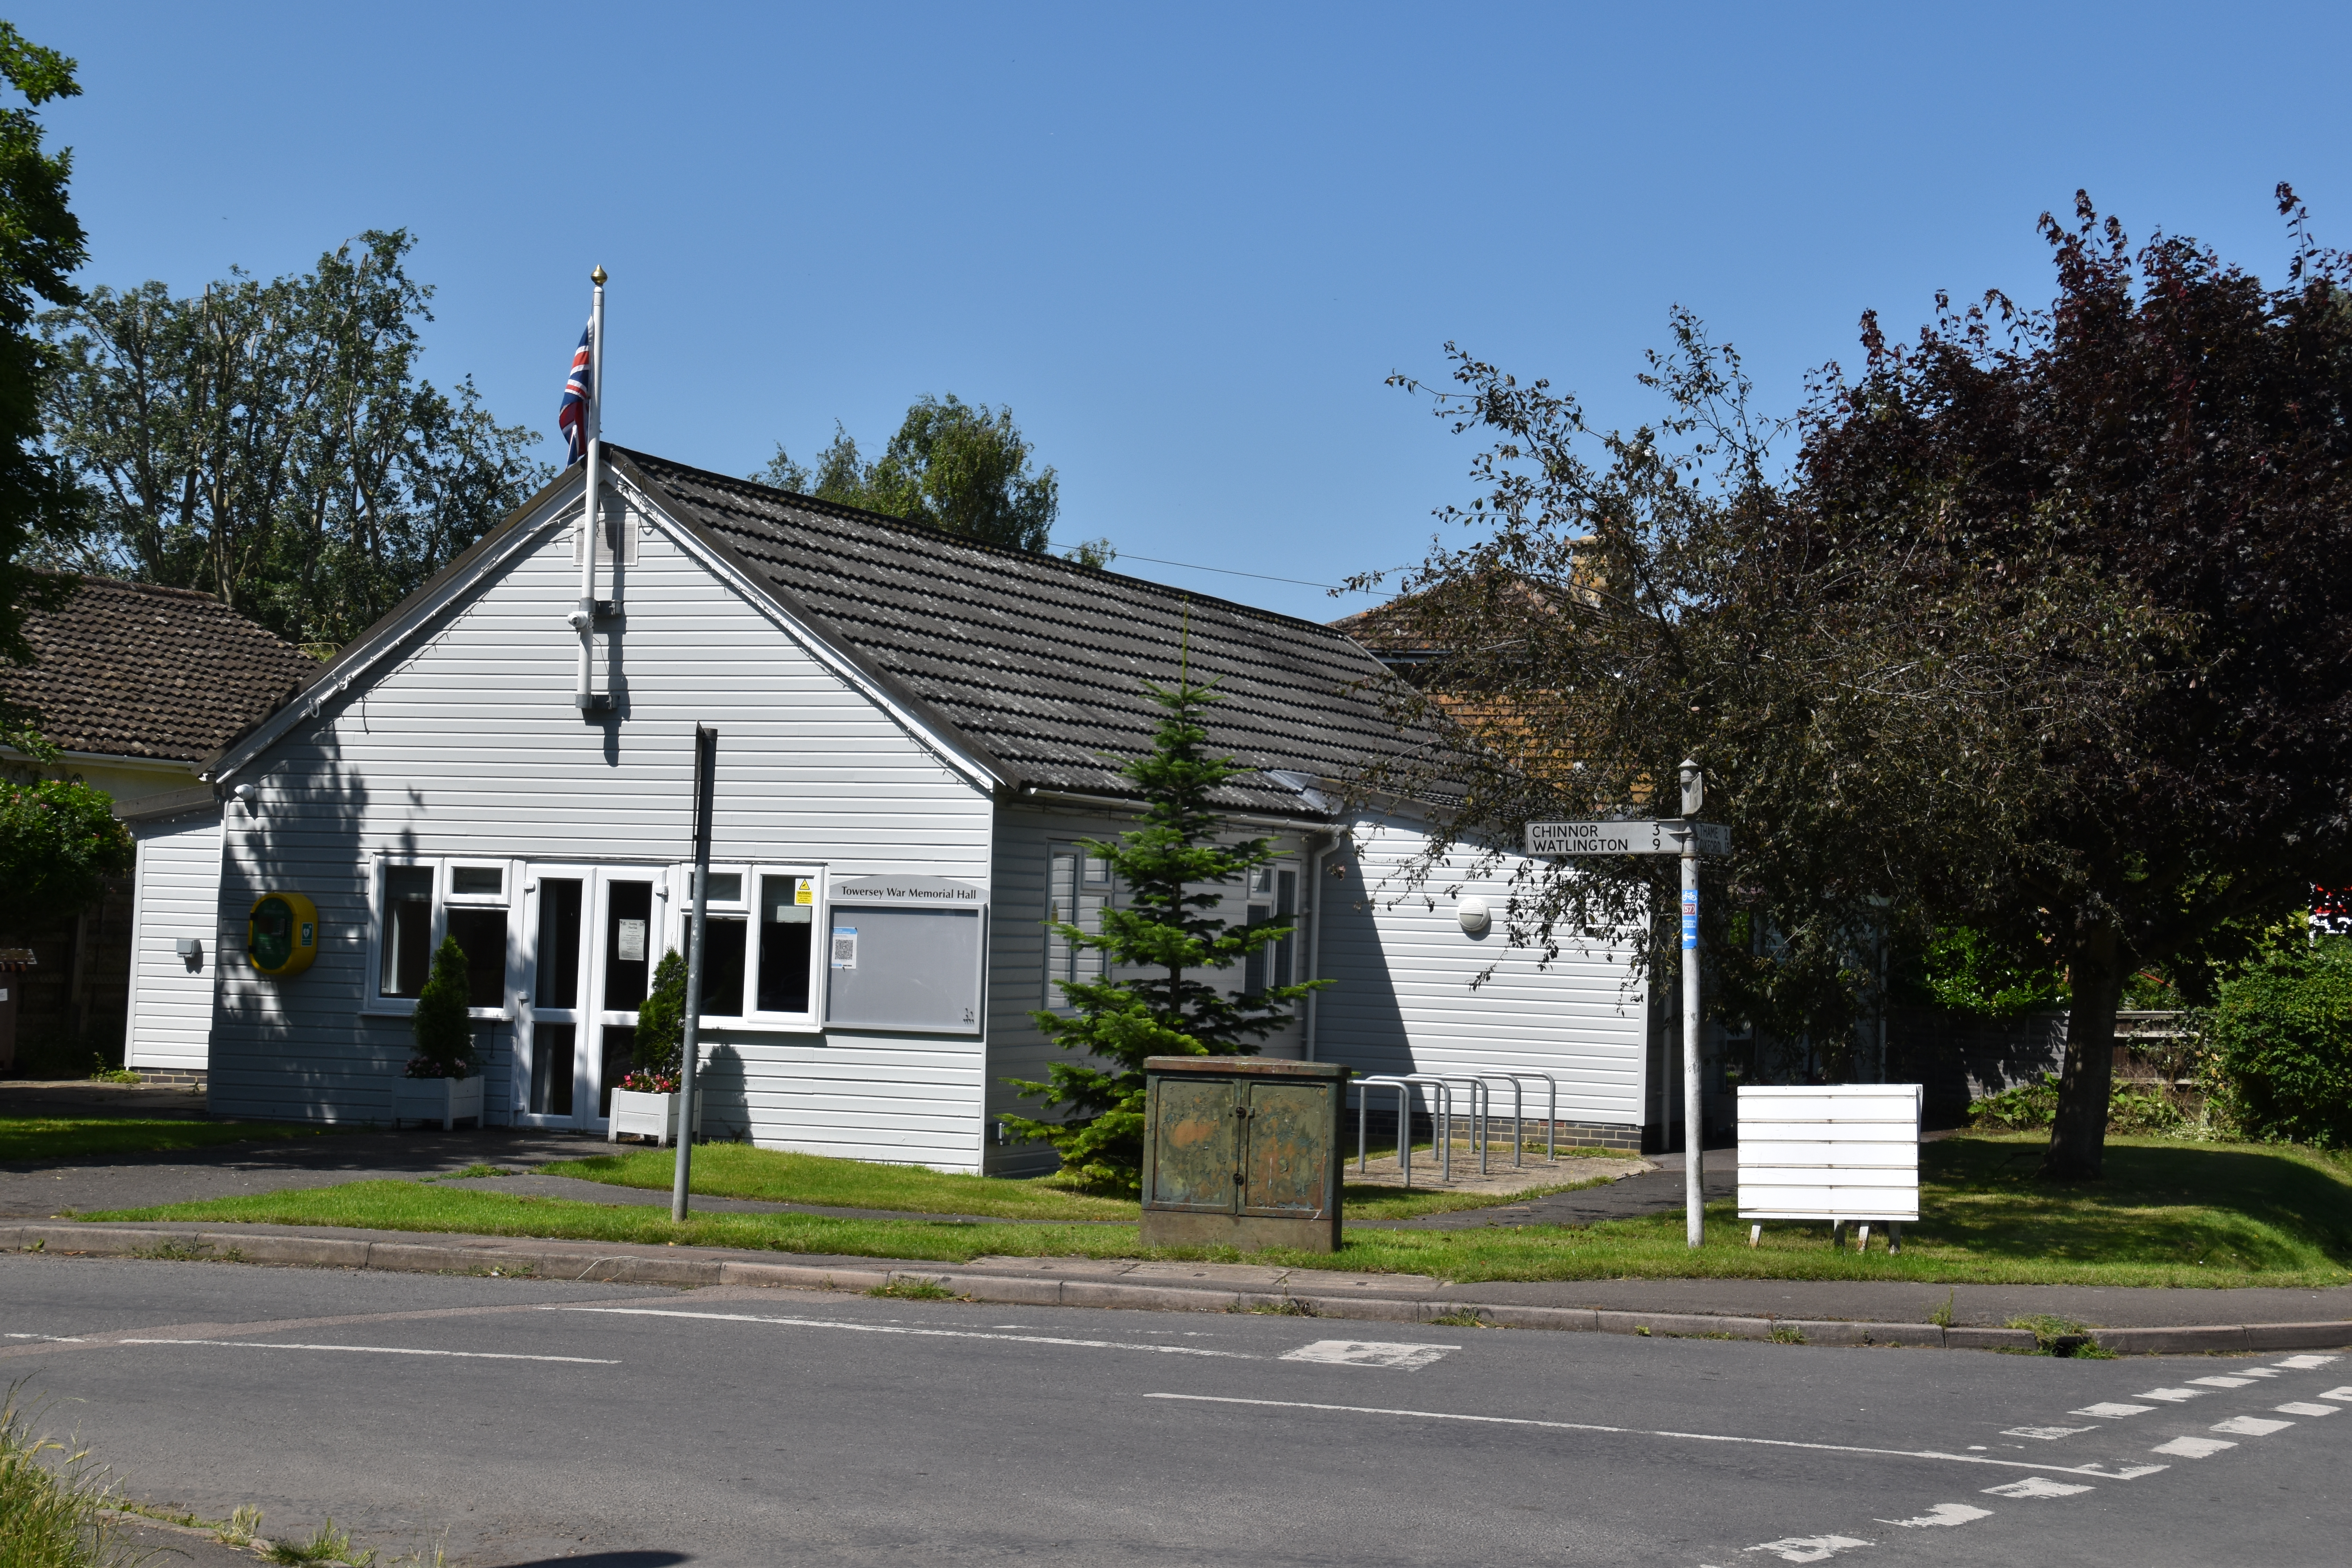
{"x": 844, "y": 947}
{"x": 631, "y": 942}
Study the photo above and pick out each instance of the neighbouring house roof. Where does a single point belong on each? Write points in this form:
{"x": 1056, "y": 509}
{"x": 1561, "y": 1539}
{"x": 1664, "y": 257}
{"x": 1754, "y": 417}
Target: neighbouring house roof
{"x": 1037, "y": 661}
{"x": 129, "y": 669}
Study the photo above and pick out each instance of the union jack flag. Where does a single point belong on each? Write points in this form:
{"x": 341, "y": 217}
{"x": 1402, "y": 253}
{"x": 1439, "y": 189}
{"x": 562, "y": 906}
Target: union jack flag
{"x": 572, "y": 416}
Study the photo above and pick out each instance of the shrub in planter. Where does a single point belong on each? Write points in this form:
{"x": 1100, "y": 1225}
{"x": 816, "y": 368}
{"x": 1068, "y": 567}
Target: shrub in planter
{"x": 2282, "y": 1036}
{"x": 444, "y": 1034}
{"x": 660, "y": 1050}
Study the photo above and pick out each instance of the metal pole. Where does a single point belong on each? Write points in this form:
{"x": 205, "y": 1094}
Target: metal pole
{"x": 1694, "y": 1119}
{"x": 590, "y": 516}
{"x": 706, "y": 768}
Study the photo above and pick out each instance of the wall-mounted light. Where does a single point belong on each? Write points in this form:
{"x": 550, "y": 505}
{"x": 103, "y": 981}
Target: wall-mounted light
{"x": 1473, "y": 915}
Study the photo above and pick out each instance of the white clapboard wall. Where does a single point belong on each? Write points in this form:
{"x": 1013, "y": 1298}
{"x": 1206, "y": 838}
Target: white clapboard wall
{"x": 1850, "y": 1152}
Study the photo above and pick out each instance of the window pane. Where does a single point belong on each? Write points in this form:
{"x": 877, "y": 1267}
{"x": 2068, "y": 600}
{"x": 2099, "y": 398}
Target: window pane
{"x": 407, "y": 929}
{"x": 482, "y": 933}
{"x": 620, "y": 1046}
{"x": 725, "y": 888}
{"x": 1087, "y": 963}
{"x": 628, "y": 945}
{"x": 1097, "y": 871}
{"x": 1285, "y": 909}
{"x": 787, "y": 934}
{"x": 1061, "y": 907}
{"x": 551, "y": 1069}
{"x": 558, "y": 980}
{"x": 722, "y": 967}
{"x": 477, "y": 880}
{"x": 1253, "y": 963}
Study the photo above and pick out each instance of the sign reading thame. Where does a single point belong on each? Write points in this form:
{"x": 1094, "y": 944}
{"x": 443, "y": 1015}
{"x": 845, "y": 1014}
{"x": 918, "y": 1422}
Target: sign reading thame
{"x": 1636, "y": 837}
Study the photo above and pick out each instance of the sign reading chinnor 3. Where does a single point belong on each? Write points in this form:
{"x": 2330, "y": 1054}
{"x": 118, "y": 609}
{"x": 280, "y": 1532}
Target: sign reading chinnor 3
{"x": 1636, "y": 837}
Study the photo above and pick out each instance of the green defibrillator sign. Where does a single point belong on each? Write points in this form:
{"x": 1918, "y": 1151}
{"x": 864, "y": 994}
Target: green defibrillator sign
{"x": 281, "y": 935}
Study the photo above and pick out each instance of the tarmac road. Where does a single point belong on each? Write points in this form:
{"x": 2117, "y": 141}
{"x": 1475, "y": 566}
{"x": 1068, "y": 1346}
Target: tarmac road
{"x": 526, "y": 1421}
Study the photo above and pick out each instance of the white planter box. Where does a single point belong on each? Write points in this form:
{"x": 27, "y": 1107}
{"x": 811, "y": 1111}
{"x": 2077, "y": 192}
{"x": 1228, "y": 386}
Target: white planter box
{"x": 651, "y": 1116}
{"x": 441, "y": 1099}
{"x": 1848, "y": 1153}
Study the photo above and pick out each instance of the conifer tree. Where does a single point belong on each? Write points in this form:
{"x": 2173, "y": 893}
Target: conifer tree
{"x": 1163, "y": 933}
{"x": 444, "y": 1030}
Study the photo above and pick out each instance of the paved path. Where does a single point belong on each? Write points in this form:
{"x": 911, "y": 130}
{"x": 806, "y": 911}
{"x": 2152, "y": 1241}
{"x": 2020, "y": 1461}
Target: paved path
{"x": 519, "y": 1421}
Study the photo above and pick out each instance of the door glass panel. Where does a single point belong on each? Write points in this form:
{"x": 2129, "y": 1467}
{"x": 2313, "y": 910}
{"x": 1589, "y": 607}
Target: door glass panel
{"x": 407, "y": 929}
{"x": 628, "y": 953}
{"x": 722, "y": 967}
{"x": 558, "y": 944}
{"x": 552, "y": 1047}
{"x": 787, "y": 934}
{"x": 481, "y": 935}
{"x": 620, "y": 1046}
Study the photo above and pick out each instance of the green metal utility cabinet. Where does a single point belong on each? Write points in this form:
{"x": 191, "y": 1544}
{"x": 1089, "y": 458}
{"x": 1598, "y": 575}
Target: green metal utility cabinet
{"x": 1242, "y": 1152}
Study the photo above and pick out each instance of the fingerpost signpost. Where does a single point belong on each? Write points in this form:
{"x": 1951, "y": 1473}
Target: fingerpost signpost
{"x": 1689, "y": 838}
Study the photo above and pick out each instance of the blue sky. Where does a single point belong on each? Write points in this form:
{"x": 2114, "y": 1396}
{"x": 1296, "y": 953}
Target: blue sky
{"x": 1185, "y": 244}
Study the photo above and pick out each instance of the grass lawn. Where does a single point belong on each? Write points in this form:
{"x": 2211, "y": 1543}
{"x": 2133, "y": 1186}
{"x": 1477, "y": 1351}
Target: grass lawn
{"x": 778, "y": 1177}
{"x": 2168, "y": 1214}
{"x": 49, "y": 1139}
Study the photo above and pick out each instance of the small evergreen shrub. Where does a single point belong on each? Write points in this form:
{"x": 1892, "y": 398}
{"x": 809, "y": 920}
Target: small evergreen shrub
{"x": 659, "y": 1052}
{"x": 2282, "y": 1036}
{"x": 444, "y": 1034}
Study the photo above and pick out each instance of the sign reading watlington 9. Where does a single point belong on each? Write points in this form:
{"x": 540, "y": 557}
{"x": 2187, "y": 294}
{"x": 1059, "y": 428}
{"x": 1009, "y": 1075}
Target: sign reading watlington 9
{"x": 1639, "y": 838}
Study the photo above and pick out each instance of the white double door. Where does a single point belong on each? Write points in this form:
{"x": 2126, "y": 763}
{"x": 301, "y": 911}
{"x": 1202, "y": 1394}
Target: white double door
{"x": 593, "y": 935}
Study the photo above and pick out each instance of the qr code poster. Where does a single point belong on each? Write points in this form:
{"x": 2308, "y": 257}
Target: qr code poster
{"x": 844, "y": 947}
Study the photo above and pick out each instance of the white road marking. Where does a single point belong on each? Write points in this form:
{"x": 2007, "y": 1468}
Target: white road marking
{"x": 2260, "y": 1372}
{"x": 2192, "y": 1447}
{"x": 2307, "y": 1362}
{"x": 1942, "y": 1513}
{"x": 1368, "y": 1352}
{"x": 2343, "y": 1393}
{"x": 919, "y": 1333}
{"x": 2250, "y": 1425}
{"x": 2128, "y": 1473}
{"x": 2045, "y": 1433}
{"x": 2110, "y": 1410}
{"x": 376, "y": 1350}
{"x": 1809, "y": 1548}
{"x": 2222, "y": 1381}
{"x": 53, "y": 1339}
{"x": 2172, "y": 1395}
{"x": 2303, "y": 1407}
{"x": 2035, "y": 1486}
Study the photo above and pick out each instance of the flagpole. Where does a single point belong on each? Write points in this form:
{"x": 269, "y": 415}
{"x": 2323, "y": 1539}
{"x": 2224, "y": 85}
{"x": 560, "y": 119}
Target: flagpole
{"x": 591, "y": 506}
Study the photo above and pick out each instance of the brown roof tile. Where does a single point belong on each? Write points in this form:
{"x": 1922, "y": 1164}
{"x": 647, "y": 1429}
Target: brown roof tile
{"x": 130, "y": 669}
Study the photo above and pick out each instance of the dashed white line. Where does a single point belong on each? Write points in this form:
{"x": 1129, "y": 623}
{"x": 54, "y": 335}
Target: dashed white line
{"x": 377, "y": 1350}
{"x": 1364, "y": 1352}
{"x": 2308, "y": 1363}
{"x": 2045, "y": 1433}
{"x": 1809, "y": 1548}
{"x": 2222, "y": 1381}
{"x": 2343, "y": 1393}
{"x": 53, "y": 1339}
{"x": 1943, "y": 1513}
{"x": 2250, "y": 1425}
{"x": 900, "y": 1329}
{"x": 2109, "y": 1410}
{"x": 2036, "y": 1485}
{"x": 2172, "y": 1395}
{"x": 2192, "y": 1447}
{"x": 2303, "y": 1407}
{"x": 2128, "y": 1473}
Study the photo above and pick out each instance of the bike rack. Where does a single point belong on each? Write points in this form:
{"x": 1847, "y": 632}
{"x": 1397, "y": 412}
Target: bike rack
{"x": 1479, "y": 1107}
{"x": 1551, "y": 1110}
{"x": 1437, "y": 1090}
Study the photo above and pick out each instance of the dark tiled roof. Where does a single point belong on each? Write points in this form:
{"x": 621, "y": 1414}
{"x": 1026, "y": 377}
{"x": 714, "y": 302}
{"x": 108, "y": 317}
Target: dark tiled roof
{"x": 126, "y": 670}
{"x": 1040, "y": 662}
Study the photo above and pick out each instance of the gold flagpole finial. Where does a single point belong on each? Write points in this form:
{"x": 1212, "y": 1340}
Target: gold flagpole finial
{"x": 597, "y": 278}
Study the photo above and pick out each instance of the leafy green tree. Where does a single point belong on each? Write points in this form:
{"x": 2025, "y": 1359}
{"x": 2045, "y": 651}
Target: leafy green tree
{"x": 954, "y": 465}
{"x": 1606, "y": 602}
{"x": 2282, "y": 1032}
{"x": 443, "y": 1029}
{"x": 58, "y": 843}
{"x": 2183, "y": 431}
{"x": 1160, "y": 939}
{"x": 41, "y": 244}
{"x": 272, "y": 442}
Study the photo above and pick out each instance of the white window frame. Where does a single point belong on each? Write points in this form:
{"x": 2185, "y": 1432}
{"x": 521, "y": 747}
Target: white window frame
{"x": 810, "y": 1022}
{"x": 371, "y": 1001}
{"x": 1272, "y": 894}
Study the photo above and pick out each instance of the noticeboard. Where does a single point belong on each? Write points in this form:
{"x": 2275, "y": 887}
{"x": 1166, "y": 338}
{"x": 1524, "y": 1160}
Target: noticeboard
{"x": 906, "y": 965}
{"x": 1838, "y": 1153}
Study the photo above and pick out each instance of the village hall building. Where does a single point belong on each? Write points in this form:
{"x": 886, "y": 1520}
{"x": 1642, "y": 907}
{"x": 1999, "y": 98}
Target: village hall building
{"x": 916, "y": 731}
